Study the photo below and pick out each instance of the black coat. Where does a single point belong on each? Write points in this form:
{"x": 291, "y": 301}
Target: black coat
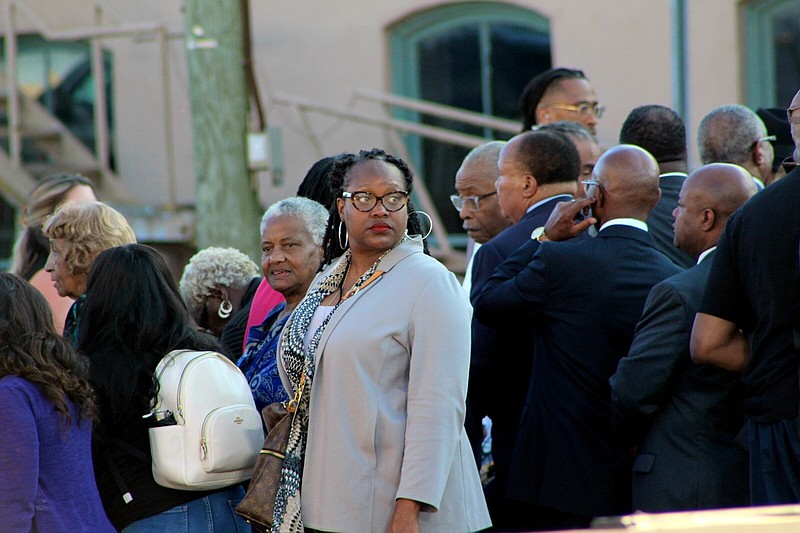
{"x": 683, "y": 417}
{"x": 583, "y": 299}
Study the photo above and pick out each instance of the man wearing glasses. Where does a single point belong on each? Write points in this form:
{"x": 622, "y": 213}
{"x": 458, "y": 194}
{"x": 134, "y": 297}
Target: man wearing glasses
{"x": 559, "y": 94}
{"x": 748, "y": 322}
{"x": 735, "y": 134}
{"x": 476, "y": 198}
{"x": 582, "y": 299}
{"x": 536, "y": 171}
{"x": 477, "y": 205}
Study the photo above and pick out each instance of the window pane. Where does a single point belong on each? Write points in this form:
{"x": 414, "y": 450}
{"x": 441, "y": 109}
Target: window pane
{"x": 518, "y": 54}
{"x": 450, "y": 74}
{"x": 786, "y": 42}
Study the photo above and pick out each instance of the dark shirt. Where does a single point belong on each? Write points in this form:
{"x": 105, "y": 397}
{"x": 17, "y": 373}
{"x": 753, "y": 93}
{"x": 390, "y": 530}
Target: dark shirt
{"x": 754, "y": 284}
{"x": 71, "y": 330}
{"x": 233, "y": 334}
{"x": 115, "y": 436}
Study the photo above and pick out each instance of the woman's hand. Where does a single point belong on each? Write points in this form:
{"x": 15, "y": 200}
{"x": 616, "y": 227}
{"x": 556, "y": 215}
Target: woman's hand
{"x": 405, "y": 518}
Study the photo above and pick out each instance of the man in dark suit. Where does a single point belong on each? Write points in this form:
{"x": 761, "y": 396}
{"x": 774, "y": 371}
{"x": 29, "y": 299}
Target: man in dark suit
{"x": 683, "y": 418}
{"x": 536, "y": 170}
{"x": 660, "y": 131}
{"x": 583, "y": 298}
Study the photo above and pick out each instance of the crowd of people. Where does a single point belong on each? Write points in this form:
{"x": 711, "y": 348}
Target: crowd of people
{"x": 623, "y": 339}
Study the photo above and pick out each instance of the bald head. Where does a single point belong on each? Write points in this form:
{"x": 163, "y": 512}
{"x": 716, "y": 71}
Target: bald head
{"x": 628, "y": 178}
{"x": 708, "y": 197}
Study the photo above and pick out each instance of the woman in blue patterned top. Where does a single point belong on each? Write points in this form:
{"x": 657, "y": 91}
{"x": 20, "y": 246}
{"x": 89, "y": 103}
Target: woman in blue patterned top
{"x": 291, "y": 253}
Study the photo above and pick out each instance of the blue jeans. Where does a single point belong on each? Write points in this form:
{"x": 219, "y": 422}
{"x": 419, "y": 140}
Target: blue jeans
{"x": 210, "y": 514}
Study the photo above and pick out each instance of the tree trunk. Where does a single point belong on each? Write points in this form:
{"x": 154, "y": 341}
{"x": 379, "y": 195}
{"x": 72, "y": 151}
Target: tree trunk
{"x": 227, "y": 207}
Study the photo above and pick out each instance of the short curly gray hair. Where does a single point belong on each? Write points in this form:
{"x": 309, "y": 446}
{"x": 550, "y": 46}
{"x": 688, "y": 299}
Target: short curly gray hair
{"x": 227, "y": 267}
{"x": 313, "y": 215}
{"x": 727, "y": 134}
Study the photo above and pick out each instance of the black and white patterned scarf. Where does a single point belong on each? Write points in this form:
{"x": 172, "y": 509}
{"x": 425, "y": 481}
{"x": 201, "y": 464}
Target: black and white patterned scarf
{"x": 286, "y": 516}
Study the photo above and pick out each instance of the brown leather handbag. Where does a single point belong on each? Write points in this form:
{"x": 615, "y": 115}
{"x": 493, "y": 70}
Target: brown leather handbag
{"x": 259, "y": 502}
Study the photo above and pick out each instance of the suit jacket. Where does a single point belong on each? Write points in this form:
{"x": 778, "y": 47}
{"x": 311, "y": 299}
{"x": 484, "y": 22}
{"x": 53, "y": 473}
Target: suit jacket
{"x": 683, "y": 417}
{"x": 660, "y": 220}
{"x": 488, "y": 382}
{"x": 583, "y": 299}
{"x": 387, "y": 404}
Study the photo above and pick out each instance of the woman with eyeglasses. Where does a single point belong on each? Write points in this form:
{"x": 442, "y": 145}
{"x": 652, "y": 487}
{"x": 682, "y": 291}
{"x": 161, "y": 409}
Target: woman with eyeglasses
{"x": 378, "y": 354}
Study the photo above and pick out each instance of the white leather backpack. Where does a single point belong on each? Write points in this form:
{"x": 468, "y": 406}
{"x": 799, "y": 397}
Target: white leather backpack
{"x": 207, "y": 432}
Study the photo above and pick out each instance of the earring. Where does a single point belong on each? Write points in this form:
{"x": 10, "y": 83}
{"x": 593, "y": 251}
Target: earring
{"x": 346, "y": 237}
{"x": 225, "y": 309}
{"x": 430, "y": 222}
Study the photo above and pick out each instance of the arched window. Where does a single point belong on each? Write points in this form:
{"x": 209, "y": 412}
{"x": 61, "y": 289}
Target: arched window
{"x": 772, "y": 52}
{"x": 477, "y": 56}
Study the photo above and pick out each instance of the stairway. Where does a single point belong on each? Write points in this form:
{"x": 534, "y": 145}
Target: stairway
{"x": 48, "y": 147}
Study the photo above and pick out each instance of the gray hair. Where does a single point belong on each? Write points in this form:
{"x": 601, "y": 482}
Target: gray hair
{"x": 487, "y": 154}
{"x": 227, "y": 267}
{"x": 727, "y": 134}
{"x": 313, "y": 215}
{"x": 573, "y": 130}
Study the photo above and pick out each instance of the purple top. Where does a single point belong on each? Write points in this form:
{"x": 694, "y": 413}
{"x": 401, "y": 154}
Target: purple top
{"x": 47, "y": 481}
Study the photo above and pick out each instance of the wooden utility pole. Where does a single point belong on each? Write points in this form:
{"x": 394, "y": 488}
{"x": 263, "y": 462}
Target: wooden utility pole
{"x": 227, "y": 208}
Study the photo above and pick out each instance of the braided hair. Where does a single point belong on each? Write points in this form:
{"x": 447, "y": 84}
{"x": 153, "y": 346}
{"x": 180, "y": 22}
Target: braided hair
{"x": 338, "y": 179}
{"x": 536, "y": 88}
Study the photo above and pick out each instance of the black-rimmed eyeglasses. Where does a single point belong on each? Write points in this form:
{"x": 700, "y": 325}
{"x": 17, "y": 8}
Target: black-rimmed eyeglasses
{"x": 366, "y": 201}
{"x": 473, "y": 203}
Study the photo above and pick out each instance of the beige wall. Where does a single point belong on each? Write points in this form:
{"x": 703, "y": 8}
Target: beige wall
{"x": 325, "y": 50}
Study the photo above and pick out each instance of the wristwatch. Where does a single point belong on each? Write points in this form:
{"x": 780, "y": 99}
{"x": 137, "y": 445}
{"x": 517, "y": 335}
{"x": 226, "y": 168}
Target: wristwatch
{"x": 539, "y": 235}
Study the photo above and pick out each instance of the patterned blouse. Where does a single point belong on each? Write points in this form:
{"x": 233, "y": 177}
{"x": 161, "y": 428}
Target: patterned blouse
{"x": 259, "y": 364}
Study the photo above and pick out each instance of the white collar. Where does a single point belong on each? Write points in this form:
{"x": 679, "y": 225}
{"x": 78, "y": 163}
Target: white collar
{"x": 673, "y": 175}
{"x": 544, "y": 201}
{"x": 705, "y": 254}
{"x": 632, "y": 222}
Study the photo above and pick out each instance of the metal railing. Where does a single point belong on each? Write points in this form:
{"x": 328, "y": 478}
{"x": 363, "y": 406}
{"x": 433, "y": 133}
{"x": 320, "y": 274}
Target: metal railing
{"x": 101, "y": 30}
{"x": 394, "y": 127}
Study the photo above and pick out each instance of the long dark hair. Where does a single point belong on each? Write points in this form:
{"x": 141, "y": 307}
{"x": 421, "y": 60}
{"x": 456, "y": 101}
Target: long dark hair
{"x": 338, "y": 179}
{"x": 316, "y": 186}
{"x": 31, "y": 348}
{"x": 133, "y": 316}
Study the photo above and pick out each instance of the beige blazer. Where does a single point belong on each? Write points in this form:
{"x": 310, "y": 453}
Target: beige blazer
{"x": 387, "y": 405}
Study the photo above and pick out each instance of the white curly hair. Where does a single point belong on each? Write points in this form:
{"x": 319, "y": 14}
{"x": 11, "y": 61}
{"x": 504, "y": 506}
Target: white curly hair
{"x": 313, "y": 215}
{"x": 211, "y": 266}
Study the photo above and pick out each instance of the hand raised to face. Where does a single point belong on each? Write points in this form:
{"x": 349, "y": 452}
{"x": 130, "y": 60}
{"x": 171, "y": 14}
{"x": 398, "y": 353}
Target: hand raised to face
{"x": 565, "y": 223}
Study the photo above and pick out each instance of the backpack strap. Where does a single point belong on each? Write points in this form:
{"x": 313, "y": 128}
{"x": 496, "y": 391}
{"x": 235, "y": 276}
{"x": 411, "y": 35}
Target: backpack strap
{"x": 121, "y": 485}
{"x": 112, "y": 466}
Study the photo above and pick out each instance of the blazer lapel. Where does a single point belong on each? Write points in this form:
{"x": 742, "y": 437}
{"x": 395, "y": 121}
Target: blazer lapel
{"x": 400, "y": 252}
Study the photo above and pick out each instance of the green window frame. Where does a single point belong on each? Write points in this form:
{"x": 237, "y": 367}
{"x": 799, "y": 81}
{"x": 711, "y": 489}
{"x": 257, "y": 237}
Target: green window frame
{"x": 766, "y": 85}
